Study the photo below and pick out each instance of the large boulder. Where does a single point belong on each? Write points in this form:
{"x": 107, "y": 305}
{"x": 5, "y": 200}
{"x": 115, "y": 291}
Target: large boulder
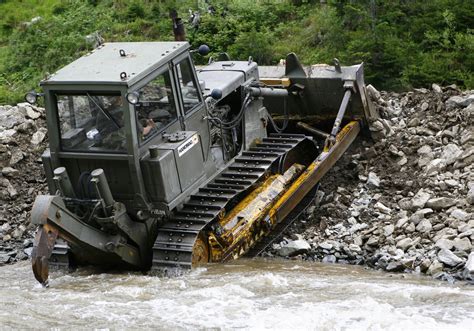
{"x": 440, "y": 203}
{"x": 293, "y": 248}
{"x": 449, "y": 258}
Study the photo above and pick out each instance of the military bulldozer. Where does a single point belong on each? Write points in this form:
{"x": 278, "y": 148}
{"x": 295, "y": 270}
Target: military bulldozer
{"x": 154, "y": 165}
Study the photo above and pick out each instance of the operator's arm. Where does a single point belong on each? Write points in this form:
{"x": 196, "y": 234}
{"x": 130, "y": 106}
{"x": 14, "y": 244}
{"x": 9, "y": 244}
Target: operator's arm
{"x": 150, "y": 124}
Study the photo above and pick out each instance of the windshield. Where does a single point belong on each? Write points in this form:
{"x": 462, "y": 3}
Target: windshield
{"x": 91, "y": 122}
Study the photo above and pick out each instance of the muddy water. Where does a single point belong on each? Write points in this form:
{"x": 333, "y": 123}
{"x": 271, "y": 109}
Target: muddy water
{"x": 246, "y": 294}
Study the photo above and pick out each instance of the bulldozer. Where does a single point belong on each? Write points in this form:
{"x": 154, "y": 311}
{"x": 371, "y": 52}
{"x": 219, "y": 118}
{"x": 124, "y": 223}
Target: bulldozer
{"x": 155, "y": 165}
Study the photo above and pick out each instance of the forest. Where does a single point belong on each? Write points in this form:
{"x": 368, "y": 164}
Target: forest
{"x": 403, "y": 43}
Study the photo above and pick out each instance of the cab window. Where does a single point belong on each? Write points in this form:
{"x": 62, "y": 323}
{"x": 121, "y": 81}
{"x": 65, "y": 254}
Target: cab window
{"x": 156, "y": 109}
{"x": 188, "y": 85}
{"x": 91, "y": 122}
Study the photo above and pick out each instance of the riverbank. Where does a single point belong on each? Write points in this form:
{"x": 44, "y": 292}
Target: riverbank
{"x": 403, "y": 202}
{"x": 23, "y": 138}
{"x": 400, "y": 203}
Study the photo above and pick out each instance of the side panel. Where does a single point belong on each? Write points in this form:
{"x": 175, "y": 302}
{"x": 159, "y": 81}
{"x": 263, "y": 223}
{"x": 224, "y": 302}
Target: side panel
{"x": 160, "y": 176}
{"x": 196, "y": 122}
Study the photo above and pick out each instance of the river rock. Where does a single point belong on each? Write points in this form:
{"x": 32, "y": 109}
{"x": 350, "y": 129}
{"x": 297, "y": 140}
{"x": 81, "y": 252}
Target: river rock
{"x": 19, "y": 231}
{"x": 395, "y": 266}
{"x": 38, "y": 136}
{"x": 469, "y": 266}
{"x": 435, "y": 166}
{"x": 420, "y": 199}
{"x": 414, "y": 122}
{"x": 329, "y": 259}
{"x": 404, "y": 243}
{"x": 4, "y": 258}
{"x": 436, "y": 88}
{"x": 294, "y": 247}
{"x": 10, "y": 172}
{"x": 444, "y": 244}
{"x": 449, "y": 258}
{"x": 401, "y": 222}
{"x": 354, "y": 248}
{"x": 373, "y": 180}
{"x": 384, "y": 209}
{"x": 425, "y": 264}
{"x": 5, "y": 183}
{"x": 373, "y": 92}
{"x": 7, "y": 136}
{"x": 28, "y": 251}
{"x": 325, "y": 245}
{"x": 462, "y": 245}
{"x": 17, "y": 156}
{"x": 459, "y": 101}
{"x": 388, "y": 230}
{"x": 9, "y": 118}
{"x": 373, "y": 241}
{"x": 31, "y": 113}
{"x": 435, "y": 268}
{"x": 460, "y": 215}
{"x": 405, "y": 204}
{"x": 470, "y": 196}
{"x": 450, "y": 153}
{"x": 424, "y": 226}
{"x": 410, "y": 228}
{"x": 440, "y": 203}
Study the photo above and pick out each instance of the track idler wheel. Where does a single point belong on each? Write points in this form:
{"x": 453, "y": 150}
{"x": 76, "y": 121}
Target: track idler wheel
{"x": 200, "y": 251}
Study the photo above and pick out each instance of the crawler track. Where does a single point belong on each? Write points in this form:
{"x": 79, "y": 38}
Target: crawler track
{"x": 178, "y": 243}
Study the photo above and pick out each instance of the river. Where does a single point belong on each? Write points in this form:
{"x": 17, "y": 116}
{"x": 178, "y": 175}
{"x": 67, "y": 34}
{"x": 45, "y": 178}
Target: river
{"x": 245, "y": 294}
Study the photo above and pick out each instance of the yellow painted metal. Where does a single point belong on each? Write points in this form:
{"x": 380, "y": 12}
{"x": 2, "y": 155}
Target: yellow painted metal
{"x": 276, "y": 81}
{"x": 259, "y": 212}
{"x": 242, "y": 226}
{"x": 314, "y": 172}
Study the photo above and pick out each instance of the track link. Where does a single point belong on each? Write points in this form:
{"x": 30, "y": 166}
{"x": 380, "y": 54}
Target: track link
{"x": 176, "y": 238}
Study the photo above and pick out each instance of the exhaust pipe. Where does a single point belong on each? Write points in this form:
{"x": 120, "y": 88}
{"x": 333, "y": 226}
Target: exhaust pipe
{"x": 103, "y": 190}
{"x": 63, "y": 183}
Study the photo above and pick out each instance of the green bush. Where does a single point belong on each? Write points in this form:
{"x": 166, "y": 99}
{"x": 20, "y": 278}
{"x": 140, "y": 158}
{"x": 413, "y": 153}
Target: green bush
{"x": 135, "y": 10}
{"x": 402, "y": 43}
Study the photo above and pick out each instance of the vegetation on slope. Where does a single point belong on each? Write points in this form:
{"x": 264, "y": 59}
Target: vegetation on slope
{"x": 403, "y": 43}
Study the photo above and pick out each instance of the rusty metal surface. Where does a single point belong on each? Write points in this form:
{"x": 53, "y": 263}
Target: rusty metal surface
{"x": 42, "y": 248}
{"x": 315, "y": 172}
{"x": 241, "y": 228}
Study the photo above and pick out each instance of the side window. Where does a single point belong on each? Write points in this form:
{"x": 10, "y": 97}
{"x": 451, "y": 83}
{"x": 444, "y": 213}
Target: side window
{"x": 156, "y": 109}
{"x": 187, "y": 84}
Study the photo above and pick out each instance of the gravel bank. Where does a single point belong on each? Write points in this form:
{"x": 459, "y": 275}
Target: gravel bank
{"x": 405, "y": 201}
{"x": 22, "y": 141}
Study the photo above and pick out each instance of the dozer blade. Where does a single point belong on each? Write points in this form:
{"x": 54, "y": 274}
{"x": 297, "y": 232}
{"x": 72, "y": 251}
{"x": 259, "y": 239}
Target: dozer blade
{"x": 317, "y": 92}
{"x": 42, "y": 249}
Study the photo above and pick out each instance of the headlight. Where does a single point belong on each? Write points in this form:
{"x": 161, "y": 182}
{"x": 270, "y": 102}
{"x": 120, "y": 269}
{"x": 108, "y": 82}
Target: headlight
{"x": 31, "y": 97}
{"x": 132, "y": 97}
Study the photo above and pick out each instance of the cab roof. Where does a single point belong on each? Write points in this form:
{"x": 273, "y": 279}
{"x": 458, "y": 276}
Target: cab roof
{"x": 105, "y": 64}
